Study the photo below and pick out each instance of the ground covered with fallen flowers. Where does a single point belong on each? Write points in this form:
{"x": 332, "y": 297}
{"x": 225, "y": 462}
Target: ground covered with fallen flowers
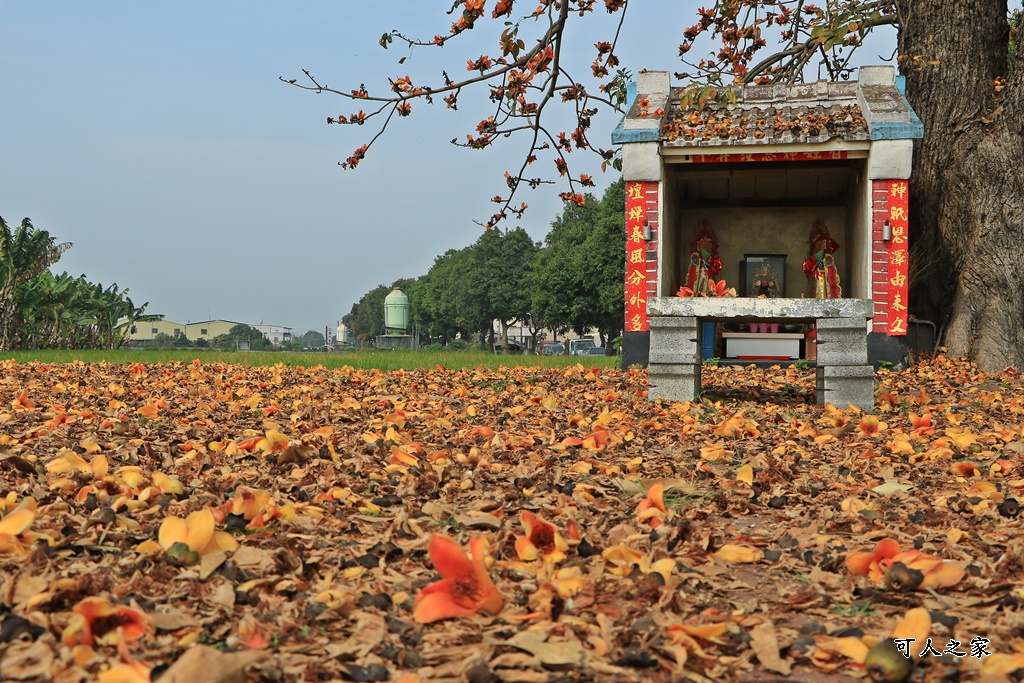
{"x": 208, "y": 522}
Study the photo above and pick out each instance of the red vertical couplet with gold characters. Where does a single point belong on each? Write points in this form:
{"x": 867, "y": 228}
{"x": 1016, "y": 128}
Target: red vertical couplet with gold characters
{"x": 898, "y": 257}
{"x": 636, "y": 259}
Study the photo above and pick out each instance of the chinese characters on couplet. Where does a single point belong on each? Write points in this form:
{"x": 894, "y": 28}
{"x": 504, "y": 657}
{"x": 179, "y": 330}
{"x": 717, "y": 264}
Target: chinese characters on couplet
{"x": 977, "y": 648}
{"x": 898, "y": 208}
{"x": 636, "y": 257}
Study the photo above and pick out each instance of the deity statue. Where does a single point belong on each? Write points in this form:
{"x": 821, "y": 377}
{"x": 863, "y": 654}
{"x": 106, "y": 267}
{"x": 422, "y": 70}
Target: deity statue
{"x": 766, "y": 282}
{"x": 704, "y": 261}
{"x": 820, "y": 266}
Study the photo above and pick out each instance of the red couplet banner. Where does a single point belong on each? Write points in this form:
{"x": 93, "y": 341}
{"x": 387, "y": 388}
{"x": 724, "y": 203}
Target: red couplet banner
{"x": 636, "y": 258}
{"x": 898, "y": 214}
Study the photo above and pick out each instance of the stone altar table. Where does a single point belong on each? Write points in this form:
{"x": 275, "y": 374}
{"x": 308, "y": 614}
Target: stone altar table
{"x": 843, "y": 373}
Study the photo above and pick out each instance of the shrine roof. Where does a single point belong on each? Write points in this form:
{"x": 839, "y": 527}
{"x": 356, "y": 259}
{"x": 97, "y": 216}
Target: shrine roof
{"x": 871, "y": 108}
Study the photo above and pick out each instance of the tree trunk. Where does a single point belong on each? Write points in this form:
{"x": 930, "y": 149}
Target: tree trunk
{"x": 967, "y": 189}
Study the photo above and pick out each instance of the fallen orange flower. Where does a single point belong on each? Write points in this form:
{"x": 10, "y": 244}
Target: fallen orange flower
{"x": 23, "y": 402}
{"x": 652, "y": 508}
{"x": 965, "y": 469}
{"x": 465, "y": 587}
{"x": 14, "y": 524}
{"x": 870, "y": 426}
{"x": 196, "y": 532}
{"x": 273, "y": 442}
{"x": 541, "y": 539}
{"x": 255, "y": 506}
{"x": 934, "y": 571}
{"x": 20, "y": 518}
{"x": 921, "y": 425}
{"x": 96, "y": 619}
{"x": 867, "y": 563}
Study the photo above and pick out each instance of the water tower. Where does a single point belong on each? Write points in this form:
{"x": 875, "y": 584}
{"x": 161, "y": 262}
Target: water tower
{"x": 396, "y": 322}
{"x": 396, "y": 312}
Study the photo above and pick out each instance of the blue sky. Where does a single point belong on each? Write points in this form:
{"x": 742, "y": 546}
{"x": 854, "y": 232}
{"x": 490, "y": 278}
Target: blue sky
{"x": 158, "y": 139}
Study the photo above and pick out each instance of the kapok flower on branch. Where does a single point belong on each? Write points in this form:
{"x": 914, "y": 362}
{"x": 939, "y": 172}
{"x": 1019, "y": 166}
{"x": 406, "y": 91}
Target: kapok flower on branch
{"x": 541, "y": 540}
{"x": 465, "y": 587}
{"x": 95, "y": 619}
{"x": 904, "y": 570}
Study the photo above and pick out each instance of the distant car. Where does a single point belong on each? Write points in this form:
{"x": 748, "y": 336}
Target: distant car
{"x": 553, "y": 350}
{"x": 578, "y": 347}
{"x": 512, "y": 348}
{"x": 594, "y": 351}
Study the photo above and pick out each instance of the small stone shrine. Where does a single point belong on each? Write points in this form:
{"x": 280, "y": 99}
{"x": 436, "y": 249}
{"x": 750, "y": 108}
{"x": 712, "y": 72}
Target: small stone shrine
{"x": 773, "y": 228}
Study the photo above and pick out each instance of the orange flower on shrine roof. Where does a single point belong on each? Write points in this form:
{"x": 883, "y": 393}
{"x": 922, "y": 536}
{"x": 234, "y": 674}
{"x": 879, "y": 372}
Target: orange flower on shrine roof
{"x": 541, "y": 540}
{"x": 96, "y": 619}
{"x": 465, "y": 587}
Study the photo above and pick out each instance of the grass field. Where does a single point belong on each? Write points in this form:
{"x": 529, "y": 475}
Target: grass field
{"x": 383, "y": 360}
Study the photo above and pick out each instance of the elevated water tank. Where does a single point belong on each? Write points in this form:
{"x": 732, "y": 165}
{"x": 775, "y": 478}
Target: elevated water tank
{"x": 396, "y": 312}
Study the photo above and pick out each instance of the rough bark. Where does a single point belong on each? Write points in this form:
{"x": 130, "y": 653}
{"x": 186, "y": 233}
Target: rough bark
{"x": 967, "y": 189}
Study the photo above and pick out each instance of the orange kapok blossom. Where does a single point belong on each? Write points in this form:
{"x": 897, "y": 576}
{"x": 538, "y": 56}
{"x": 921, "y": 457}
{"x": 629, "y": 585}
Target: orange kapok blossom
{"x": 721, "y": 289}
{"x": 197, "y": 532}
{"x": 465, "y": 587}
{"x": 937, "y": 573}
{"x": 870, "y": 426}
{"x": 872, "y": 563}
{"x": 541, "y": 540}
{"x": 95, "y": 619}
{"x": 14, "y": 524}
{"x": 652, "y": 508}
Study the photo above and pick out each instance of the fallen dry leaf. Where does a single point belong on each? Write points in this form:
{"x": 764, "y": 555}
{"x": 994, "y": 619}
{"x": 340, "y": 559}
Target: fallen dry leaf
{"x": 314, "y": 494}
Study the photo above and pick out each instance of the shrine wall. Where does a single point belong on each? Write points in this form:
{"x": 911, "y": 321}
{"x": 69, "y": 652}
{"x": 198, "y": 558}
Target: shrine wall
{"x": 672, "y": 243}
{"x": 858, "y": 256}
{"x": 766, "y": 230}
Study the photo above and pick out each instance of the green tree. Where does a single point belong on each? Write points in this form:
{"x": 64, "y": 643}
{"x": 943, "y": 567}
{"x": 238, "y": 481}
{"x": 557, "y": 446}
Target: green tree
{"x": 366, "y": 319}
{"x": 24, "y": 253}
{"x": 603, "y": 254}
{"x": 502, "y": 263}
{"x": 577, "y": 282}
{"x": 557, "y": 285}
{"x": 964, "y": 77}
{"x": 312, "y": 339}
{"x": 448, "y": 305}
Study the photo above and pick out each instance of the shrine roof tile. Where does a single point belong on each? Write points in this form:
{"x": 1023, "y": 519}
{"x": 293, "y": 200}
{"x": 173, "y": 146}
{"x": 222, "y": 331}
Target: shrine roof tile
{"x": 803, "y": 113}
{"x": 768, "y": 114}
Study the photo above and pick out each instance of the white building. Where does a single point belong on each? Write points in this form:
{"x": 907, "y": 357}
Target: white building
{"x": 275, "y": 334}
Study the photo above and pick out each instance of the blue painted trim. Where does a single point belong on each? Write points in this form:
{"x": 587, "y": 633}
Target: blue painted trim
{"x": 900, "y": 131}
{"x": 897, "y": 131}
{"x": 620, "y": 135}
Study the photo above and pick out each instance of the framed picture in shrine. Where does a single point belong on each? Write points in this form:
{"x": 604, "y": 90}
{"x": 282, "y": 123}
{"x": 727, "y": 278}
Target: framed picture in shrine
{"x": 763, "y": 275}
